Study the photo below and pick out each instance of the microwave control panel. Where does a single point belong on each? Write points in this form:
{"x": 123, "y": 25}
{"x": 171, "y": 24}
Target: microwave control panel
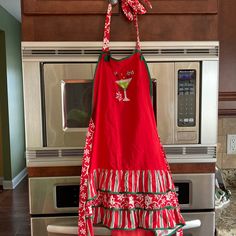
{"x": 186, "y": 115}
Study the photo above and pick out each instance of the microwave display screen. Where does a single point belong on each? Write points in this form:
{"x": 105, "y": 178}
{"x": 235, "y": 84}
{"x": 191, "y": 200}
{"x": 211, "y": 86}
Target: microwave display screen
{"x": 186, "y": 98}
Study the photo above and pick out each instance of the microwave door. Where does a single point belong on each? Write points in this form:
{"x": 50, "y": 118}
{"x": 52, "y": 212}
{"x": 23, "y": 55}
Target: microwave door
{"x": 67, "y": 90}
{"x": 164, "y": 104}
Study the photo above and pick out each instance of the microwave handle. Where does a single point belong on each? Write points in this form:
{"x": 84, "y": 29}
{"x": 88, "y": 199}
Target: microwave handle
{"x": 73, "y": 230}
{"x": 154, "y": 96}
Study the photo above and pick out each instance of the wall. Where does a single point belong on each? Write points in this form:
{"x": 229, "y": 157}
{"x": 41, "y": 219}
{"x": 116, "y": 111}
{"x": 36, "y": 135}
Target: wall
{"x": 11, "y": 96}
{"x": 1, "y": 161}
{"x": 226, "y": 125}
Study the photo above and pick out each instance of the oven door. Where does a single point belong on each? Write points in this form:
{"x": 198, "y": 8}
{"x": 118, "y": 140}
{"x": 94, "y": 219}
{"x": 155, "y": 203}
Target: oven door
{"x": 190, "y": 188}
{"x": 54, "y": 195}
{"x": 58, "y": 226}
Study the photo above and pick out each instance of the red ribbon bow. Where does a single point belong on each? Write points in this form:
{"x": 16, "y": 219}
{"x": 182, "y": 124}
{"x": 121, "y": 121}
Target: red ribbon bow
{"x": 134, "y": 7}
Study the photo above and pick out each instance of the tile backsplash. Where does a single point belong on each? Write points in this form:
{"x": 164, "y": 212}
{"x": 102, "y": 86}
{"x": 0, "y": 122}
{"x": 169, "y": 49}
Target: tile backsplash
{"x": 226, "y": 125}
{"x": 229, "y": 176}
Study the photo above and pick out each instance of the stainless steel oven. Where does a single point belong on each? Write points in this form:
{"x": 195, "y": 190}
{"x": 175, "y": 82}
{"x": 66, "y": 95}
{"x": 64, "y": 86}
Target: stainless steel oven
{"x": 58, "y": 82}
{"x": 54, "y": 204}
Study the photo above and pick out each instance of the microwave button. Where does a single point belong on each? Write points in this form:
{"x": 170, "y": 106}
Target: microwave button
{"x": 191, "y": 120}
{"x": 186, "y": 135}
{"x": 186, "y": 120}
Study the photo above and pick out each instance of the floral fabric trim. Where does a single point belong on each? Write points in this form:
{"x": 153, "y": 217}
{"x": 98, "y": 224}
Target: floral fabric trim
{"x": 106, "y": 37}
{"x": 136, "y": 201}
{"x": 85, "y": 226}
{"x": 131, "y": 9}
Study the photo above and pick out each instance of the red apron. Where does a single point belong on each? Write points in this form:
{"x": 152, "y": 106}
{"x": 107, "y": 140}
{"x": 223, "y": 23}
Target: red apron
{"x": 126, "y": 183}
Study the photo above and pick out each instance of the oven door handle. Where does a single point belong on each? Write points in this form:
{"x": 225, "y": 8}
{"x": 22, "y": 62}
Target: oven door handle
{"x": 191, "y": 224}
{"x": 73, "y": 230}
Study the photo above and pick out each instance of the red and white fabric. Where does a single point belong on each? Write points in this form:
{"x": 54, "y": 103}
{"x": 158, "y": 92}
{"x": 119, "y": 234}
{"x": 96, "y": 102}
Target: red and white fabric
{"x": 126, "y": 183}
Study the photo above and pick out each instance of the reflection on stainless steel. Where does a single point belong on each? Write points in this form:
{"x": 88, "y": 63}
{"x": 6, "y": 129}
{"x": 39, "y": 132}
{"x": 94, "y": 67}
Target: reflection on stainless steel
{"x": 73, "y": 230}
{"x": 207, "y": 227}
{"x": 209, "y": 102}
{"x": 195, "y": 184}
{"x": 43, "y": 196}
{"x": 173, "y": 108}
{"x": 75, "y": 107}
{"x": 55, "y": 226}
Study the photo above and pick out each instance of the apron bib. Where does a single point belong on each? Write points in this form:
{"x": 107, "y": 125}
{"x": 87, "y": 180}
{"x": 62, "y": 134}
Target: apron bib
{"x": 126, "y": 184}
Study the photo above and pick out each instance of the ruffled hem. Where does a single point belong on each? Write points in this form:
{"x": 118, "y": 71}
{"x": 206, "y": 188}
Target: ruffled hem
{"x": 164, "y": 219}
{"x": 131, "y": 199}
{"x": 129, "y": 181}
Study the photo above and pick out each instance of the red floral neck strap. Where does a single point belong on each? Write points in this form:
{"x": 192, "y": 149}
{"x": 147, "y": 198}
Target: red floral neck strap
{"x": 131, "y": 9}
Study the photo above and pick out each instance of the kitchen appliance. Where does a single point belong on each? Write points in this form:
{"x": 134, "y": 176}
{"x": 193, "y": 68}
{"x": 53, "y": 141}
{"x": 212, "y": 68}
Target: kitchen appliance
{"x": 67, "y": 101}
{"x": 58, "y": 78}
{"x": 54, "y": 201}
{"x": 58, "y": 81}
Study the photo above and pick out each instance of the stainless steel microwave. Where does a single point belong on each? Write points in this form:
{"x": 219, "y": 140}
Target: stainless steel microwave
{"x": 58, "y": 86}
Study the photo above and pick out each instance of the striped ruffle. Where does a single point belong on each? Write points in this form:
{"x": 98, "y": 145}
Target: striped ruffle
{"x": 166, "y": 219}
{"x": 129, "y": 181}
{"x": 134, "y": 199}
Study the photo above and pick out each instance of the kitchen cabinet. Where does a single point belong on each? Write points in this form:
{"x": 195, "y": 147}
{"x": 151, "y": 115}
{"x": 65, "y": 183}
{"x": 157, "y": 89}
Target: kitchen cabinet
{"x": 67, "y": 7}
{"x": 227, "y": 37}
{"x": 184, "y": 7}
{"x": 83, "y": 20}
{"x": 55, "y": 7}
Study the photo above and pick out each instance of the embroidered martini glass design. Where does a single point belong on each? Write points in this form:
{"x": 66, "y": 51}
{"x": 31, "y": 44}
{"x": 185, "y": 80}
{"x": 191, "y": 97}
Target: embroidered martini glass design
{"x": 124, "y": 83}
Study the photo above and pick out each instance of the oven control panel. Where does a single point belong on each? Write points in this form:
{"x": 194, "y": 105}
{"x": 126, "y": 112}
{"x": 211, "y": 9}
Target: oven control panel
{"x": 186, "y": 98}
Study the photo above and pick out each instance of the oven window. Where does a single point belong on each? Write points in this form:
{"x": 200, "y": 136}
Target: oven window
{"x": 76, "y": 102}
{"x": 67, "y": 196}
{"x": 183, "y": 191}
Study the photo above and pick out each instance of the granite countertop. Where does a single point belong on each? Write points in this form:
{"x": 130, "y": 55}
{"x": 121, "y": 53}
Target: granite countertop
{"x": 226, "y": 217}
